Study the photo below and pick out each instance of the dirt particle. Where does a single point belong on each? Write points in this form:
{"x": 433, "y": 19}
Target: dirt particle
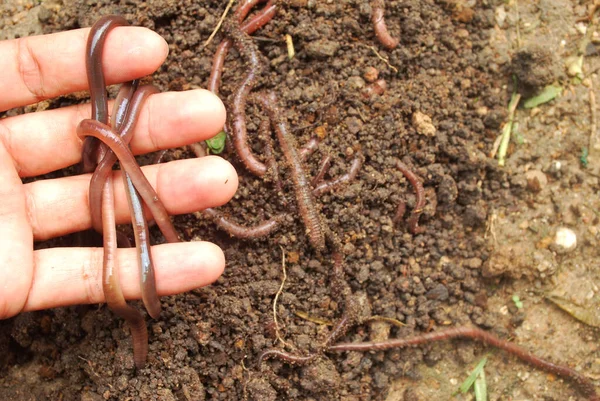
{"x": 322, "y": 48}
{"x": 260, "y": 390}
{"x": 536, "y": 180}
{"x": 320, "y": 377}
{"x": 535, "y": 66}
{"x": 422, "y": 123}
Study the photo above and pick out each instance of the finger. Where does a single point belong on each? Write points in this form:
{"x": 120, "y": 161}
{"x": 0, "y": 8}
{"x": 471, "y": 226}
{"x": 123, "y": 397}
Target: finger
{"x": 41, "y": 67}
{"x": 60, "y": 206}
{"x": 73, "y": 276}
{"x": 46, "y": 141}
{"x": 16, "y": 244}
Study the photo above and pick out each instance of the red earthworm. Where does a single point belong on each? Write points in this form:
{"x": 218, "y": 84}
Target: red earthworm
{"x": 584, "y": 384}
{"x": 304, "y": 196}
{"x": 128, "y": 163}
{"x": 309, "y": 148}
{"x": 97, "y": 84}
{"x": 104, "y": 168}
{"x": 142, "y": 243}
{"x": 250, "y": 26}
{"x": 379, "y": 26}
{"x": 237, "y": 122}
{"x": 110, "y": 280}
{"x": 235, "y": 230}
{"x": 323, "y": 167}
{"x": 337, "y": 182}
{"x": 413, "y": 220}
{"x": 126, "y": 111}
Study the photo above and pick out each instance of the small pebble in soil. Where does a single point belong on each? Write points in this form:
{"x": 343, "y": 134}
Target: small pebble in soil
{"x": 565, "y": 240}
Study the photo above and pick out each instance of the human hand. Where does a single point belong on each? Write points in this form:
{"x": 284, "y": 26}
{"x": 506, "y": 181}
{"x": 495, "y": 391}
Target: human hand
{"x": 42, "y": 67}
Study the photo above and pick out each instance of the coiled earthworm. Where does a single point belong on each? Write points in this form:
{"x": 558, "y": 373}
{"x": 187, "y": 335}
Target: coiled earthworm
{"x": 413, "y": 220}
{"x": 128, "y": 163}
{"x": 583, "y": 383}
{"x": 125, "y": 130}
{"x": 379, "y": 26}
{"x": 97, "y": 83}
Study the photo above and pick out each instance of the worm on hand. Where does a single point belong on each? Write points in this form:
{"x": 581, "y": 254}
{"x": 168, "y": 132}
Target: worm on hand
{"x": 110, "y": 280}
{"x": 97, "y": 83}
{"x": 379, "y": 26}
{"x": 128, "y": 163}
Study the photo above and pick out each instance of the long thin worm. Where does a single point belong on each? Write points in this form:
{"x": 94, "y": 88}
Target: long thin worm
{"x": 237, "y": 122}
{"x": 125, "y": 114}
{"x": 104, "y": 168}
{"x": 379, "y": 26}
{"x": 583, "y": 383}
{"x": 304, "y": 196}
{"x": 110, "y": 280}
{"x": 413, "y": 220}
{"x": 235, "y": 230}
{"x": 97, "y": 83}
{"x": 128, "y": 163}
{"x": 250, "y": 26}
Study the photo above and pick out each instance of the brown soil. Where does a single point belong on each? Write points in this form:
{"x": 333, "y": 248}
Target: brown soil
{"x": 489, "y": 229}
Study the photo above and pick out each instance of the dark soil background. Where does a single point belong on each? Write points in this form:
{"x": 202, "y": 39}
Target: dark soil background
{"x": 206, "y": 343}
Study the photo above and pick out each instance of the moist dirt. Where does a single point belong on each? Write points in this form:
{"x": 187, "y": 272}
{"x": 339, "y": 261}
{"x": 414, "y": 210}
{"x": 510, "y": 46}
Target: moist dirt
{"x": 490, "y": 231}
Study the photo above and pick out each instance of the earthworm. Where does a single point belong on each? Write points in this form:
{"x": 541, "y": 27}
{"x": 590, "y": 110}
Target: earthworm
{"x": 323, "y": 167}
{"x": 379, "y": 26}
{"x": 304, "y": 196}
{"x": 142, "y": 243}
{"x": 413, "y": 220}
{"x": 337, "y": 182}
{"x": 235, "y": 230}
{"x": 126, "y": 111}
{"x": 237, "y": 123}
{"x": 583, "y": 383}
{"x": 103, "y": 132}
{"x": 250, "y": 26}
{"x": 110, "y": 280}
{"x": 309, "y": 148}
{"x": 104, "y": 168}
{"x": 97, "y": 84}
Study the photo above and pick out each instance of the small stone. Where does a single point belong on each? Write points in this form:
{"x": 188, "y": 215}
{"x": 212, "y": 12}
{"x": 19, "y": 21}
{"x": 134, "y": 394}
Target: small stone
{"x": 422, "y": 123}
{"x": 536, "y": 180}
{"x": 322, "y": 48}
{"x": 371, "y": 74}
{"x": 355, "y": 83}
{"x": 565, "y": 240}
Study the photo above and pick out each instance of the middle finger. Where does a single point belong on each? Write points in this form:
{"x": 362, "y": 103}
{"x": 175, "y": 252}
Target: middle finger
{"x": 60, "y": 206}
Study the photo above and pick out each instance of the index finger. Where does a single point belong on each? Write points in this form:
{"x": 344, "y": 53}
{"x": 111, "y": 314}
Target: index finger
{"x": 40, "y": 67}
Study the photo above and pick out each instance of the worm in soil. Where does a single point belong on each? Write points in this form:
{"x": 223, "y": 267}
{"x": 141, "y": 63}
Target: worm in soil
{"x": 583, "y": 383}
{"x": 380, "y": 27}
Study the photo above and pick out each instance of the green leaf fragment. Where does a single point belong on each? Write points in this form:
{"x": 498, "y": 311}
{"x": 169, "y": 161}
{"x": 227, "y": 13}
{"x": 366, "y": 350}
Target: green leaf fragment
{"x": 480, "y": 387}
{"x": 584, "y": 157}
{"x": 216, "y": 144}
{"x": 466, "y": 385}
{"x": 517, "y": 301}
{"x": 547, "y": 94}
